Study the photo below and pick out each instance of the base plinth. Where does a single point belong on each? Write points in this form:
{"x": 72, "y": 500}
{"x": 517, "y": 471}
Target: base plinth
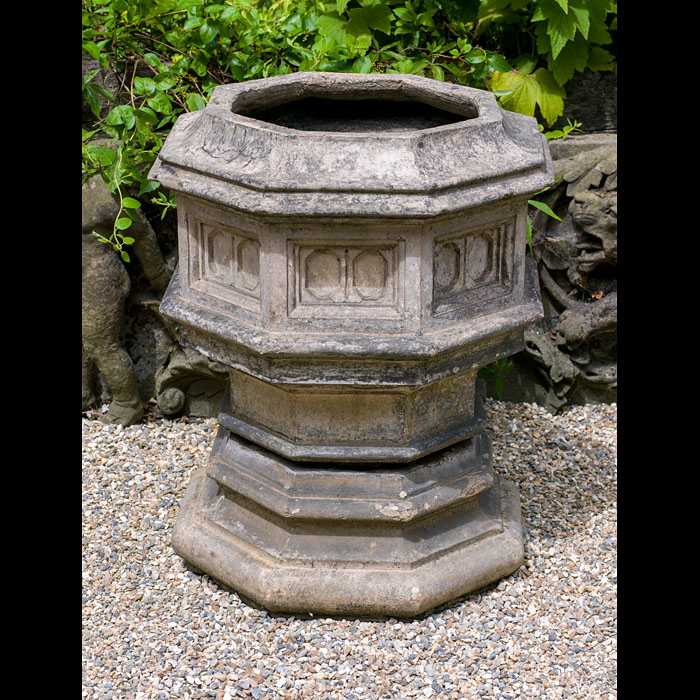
{"x": 324, "y": 539}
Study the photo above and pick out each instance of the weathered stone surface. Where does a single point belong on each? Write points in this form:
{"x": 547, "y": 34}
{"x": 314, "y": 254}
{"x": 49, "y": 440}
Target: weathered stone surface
{"x": 297, "y": 538}
{"x": 105, "y": 286}
{"x": 352, "y": 249}
{"x": 190, "y": 383}
{"x": 571, "y": 355}
{"x": 352, "y": 423}
{"x": 224, "y": 156}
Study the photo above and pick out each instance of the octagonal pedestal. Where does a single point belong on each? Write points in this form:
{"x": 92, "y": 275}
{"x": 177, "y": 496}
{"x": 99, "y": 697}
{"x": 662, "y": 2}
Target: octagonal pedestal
{"x": 352, "y": 248}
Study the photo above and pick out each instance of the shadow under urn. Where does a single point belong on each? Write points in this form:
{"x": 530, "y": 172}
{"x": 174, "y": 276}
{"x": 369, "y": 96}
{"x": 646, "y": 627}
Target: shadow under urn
{"x": 352, "y": 248}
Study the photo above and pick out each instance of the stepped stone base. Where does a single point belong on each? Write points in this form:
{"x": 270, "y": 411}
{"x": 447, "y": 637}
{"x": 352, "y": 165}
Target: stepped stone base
{"x": 353, "y": 272}
{"x": 320, "y": 538}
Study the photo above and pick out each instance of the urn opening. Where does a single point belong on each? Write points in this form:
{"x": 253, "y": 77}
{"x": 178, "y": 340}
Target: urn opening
{"x": 357, "y": 113}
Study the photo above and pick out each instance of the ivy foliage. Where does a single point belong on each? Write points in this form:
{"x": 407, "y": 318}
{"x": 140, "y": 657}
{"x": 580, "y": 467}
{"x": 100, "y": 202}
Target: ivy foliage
{"x": 168, "y": 56}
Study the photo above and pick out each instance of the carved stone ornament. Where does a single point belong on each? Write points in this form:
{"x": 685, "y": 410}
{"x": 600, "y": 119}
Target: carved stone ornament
{"x": 105, "y": 287}
{"x": 352, "y": 250}
{"x": 189, "y": 383}
{"x": 570, "y": 357}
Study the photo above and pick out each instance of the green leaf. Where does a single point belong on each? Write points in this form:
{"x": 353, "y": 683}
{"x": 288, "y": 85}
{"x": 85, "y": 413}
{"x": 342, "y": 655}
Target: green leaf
{"x": 600, "y": 59}
{"x": 160, "y": 102}
{"x": 92, "y": 49}
{"x": 406, "y": 14}
{"x": 123, "y": 114}
{"x": 525, "y": 63}
{"x": 438, "y": 73}
{"x": 127, "y": 240}
{"x": 583, "y": 21}
{"x": 475, "y": 57}
{"x": 523, "y": 93}
{"x": 543, "y": 207}
{"x": 498, "y": 62}
{"x": 364, "y": 19}
{"x": 362, "y": 65}
{"x": 598, "y": 33}
{"x": 235, "y": 67}
{"x": 332, "y": 26}
{"x": 340, "y": 6}
{"x": 561, "y": 27}
{"x": 89, "y": 76}
{"x": 123, "y": 223}
{"x": 144, "y": 86}
{"x": 488, "y": 7}
{"x": 131, "y": 203}
{"x": 103, "y": 154}
{"x": 357, "y": 24}
{"x": 424, "y": 18}
{"x": 523, "y": 99}
{"x": 146, "y": 115}
{"x": 195, "y": 102}
{"x": 550, "y": 95}
{"x": 165, "y": 81}
{"x": 208, "y": 32}
{"x": 193, "y": 23}
{"x": 149, "y": 186}
{"x": 573, "y": 57}
{"x": 125, "y": 256}
{"x": 229, "y": 15}
{"x": 99, "y": 237}
{"x": 93, "y": 100}
{"x": 104, "y": 92}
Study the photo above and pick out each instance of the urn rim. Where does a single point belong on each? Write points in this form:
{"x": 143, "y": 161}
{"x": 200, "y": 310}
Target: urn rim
{"x": 241, "y": 162}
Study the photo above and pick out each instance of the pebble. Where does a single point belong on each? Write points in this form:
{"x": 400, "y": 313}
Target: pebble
{"x": 154, "y": 630}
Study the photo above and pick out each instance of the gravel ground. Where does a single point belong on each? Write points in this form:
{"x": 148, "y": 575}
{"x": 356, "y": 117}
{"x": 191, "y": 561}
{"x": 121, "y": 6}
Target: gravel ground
{"x": 154, "y": 630}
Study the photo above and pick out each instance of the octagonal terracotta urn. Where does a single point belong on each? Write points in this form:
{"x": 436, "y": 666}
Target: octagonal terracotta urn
{"x": 352, "y": 247}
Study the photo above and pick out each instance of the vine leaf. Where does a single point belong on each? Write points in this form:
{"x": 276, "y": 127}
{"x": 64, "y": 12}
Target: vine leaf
{"x": 520, "y": 92}
{"x": 123, "y": 223}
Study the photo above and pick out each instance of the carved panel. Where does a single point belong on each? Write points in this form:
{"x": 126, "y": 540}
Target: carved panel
{"x": 370, "y": 274}
{"x": 343, "y": 280}
{"x": 225, "y": 263}
{"x": 218, "y": 261}
{"x": 323, "y": 276}
{"x": 248, "y": 264}
{"x": 472, "y": 266}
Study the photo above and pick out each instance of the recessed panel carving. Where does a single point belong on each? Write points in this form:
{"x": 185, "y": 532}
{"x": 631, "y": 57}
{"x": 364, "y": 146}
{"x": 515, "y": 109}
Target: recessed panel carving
{"x": 323, "y": 276}
{"x": 219, "y": 255}
{"x": 472, "y": 266}
{"x": 480, "y": 259}
{"x": 248, "y": 268}
{"x": 344, "y": 280}
{"x": 224, "y": 263}
{"x": 448, "y": 259}
{"x": 370, "y": 274}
